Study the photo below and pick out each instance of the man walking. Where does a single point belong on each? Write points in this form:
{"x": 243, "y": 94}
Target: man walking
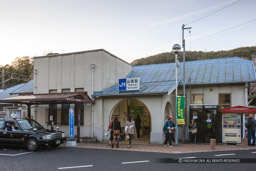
{"x": 250, "y": 125}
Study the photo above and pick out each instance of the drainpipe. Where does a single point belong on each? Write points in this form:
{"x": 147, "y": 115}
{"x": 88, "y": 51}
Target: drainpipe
{"x": 92, "y": 83}
{"x": 35, "y": 80}
{"x": 246, "y": 104}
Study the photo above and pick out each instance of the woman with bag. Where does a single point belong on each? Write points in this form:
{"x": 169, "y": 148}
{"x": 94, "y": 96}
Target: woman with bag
{"x": 131, "y": 130}
{"x": 192, "y": 132}
{"x": 116, "y": 127}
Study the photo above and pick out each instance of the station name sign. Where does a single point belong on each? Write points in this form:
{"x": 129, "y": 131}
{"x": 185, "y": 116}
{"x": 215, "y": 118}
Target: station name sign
{"x": 129, "y": 84}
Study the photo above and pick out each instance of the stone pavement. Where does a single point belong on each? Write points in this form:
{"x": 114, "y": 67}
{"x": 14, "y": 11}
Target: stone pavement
{"x": 181, "y": 148}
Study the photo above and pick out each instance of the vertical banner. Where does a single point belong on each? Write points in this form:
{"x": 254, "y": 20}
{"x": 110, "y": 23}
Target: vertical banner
{"x": 180, "y": 106}
{"x": 71, "y": 122}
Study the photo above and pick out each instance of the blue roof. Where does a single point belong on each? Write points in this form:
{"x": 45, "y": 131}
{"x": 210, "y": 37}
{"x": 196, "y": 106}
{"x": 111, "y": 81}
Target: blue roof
{"x": 6, "y": 93}
{"x": 160, "y": 78}
{"x": 27, "y": 88}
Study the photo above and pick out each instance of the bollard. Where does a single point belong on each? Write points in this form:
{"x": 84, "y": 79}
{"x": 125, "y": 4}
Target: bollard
{"x": 213, "y": 144}
{"x": 244, "y": 143}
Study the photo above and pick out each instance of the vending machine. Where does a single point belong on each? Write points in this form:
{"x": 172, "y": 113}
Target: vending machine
{"x": 231, "y": 128}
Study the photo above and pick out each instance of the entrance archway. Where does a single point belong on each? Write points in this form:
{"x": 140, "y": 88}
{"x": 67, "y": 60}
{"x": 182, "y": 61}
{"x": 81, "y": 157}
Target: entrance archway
{"x": 137, "y": 109}
{"x": 168, "y": 111}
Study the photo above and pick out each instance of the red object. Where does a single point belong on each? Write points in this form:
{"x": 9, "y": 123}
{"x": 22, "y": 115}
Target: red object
{"x": 239, "y": 109}
{"x": 169, "y": 117}
{"x": 110, "y": 125}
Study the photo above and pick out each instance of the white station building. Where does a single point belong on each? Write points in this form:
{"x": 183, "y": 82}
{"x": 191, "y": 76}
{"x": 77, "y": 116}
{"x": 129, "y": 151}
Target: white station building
{"x": 115, "y": 88}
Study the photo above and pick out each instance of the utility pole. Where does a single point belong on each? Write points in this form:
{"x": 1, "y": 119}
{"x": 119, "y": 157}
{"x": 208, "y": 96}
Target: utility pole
{"x": 3, "y": 78}
{"x": 184, "y": 60}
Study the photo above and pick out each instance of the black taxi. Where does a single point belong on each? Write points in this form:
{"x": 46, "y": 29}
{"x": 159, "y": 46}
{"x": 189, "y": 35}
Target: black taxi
{"x": 28, "y": 133}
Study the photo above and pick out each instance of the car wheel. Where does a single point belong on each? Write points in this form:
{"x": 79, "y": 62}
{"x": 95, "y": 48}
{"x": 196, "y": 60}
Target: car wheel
{"x": 32, "y": 144}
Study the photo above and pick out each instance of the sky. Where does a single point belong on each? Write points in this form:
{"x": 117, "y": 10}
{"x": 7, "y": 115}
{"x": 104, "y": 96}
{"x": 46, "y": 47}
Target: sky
{"x": 129, "y": 29}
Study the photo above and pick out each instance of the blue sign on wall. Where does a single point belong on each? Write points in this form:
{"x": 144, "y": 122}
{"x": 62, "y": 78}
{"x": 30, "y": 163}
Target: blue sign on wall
{"x": 122, "y": 84}
{"x": 71, "y": 122}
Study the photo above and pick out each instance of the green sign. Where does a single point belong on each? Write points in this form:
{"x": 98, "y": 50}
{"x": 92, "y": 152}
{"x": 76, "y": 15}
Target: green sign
{"x": 136, "y": 110}
{"x": 180, "y": 110}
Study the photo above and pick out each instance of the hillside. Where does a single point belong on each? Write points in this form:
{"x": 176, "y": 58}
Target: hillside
{"x": 168, "y": 57}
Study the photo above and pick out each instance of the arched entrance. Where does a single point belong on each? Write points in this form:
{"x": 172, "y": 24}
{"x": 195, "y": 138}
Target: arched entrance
{"x": 168, "y": 112}
{"x": 138, "y": 110}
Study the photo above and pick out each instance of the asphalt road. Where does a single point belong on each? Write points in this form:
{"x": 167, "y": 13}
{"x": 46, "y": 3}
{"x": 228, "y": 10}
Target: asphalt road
{"x": 64, "y": 158}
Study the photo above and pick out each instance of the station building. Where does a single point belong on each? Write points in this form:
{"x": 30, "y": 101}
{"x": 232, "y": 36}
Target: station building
{"x": 211, "y": 85}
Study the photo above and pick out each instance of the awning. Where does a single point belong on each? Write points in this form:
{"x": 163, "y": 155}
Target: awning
{"x": 239, "y": 109}
{"x": 56, "y": 98}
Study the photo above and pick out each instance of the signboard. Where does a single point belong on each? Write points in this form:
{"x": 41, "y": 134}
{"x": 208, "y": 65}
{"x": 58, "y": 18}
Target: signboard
{"x": 136, "y": 110}
{"x": 71, "y": 122}
{"x": 180, "y": 110}
{"x": 129, "y": 84}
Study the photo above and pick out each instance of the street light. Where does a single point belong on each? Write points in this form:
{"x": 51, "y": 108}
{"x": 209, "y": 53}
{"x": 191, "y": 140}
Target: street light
{"x": 176, "y": 49}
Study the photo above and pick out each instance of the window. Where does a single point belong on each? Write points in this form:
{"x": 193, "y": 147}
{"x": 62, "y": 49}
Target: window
{"x": 79, "y": 90}
{"x": 53, "y": 91}
{"x": 1, "y": 124}
{"x": 224, "y": 100}
{"x": 197, "y": 99}
{"x": 65, "y": 90}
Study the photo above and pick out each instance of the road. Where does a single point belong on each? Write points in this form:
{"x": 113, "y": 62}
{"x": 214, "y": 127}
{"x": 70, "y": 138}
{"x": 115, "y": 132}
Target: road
{"x": 76, "y": 159}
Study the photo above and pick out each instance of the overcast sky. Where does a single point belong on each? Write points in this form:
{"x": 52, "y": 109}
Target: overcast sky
{"x": 130, "y": 29}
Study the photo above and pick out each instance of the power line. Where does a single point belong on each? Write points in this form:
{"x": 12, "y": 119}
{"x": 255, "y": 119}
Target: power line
{"x": 227, "y": 29}
{"x": 212, "y": 13}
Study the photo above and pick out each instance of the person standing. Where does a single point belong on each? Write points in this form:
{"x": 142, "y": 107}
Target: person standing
{"x": 138, "y": 125}
{"x": 250, "y": 125}
{"x": 192, "y": 131}
{"x": 116, "y": 127}
{"x": 169, "y": 127}
{"x": 130, "y": 130}
{"x": 111, "y": 132}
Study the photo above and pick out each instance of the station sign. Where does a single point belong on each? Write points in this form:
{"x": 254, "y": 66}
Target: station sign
{"x": 71, "y": 122}
{"x": 129, "y": 84}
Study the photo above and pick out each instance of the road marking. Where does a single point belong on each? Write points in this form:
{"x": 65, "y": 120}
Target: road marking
{"x": 13, "y": 155}
{"x": 188, "y": 157}
{"x": 231, "y": 154}
{"x": 132, "y": 162}
{"x": 74, "y": 167}
{"x": 253, "y": 152}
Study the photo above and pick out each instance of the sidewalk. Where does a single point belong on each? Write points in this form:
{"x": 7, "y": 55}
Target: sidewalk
{"x": 181, "y": 148}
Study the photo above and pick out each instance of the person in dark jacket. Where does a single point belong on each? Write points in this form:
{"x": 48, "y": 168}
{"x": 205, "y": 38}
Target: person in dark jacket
{"x": 116, "y": 126}
{"x": 169, "y": 127}
{"x": 250, "y": 125}
{"x": 192, "y": 134}
{"x": 111, "y": 132}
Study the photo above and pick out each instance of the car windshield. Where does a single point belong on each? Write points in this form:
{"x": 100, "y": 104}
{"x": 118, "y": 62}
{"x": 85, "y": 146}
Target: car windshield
{"x": 24, "y": 124}
{"x": 35, "y": 124}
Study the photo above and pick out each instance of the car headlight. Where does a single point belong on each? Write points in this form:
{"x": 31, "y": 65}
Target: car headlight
{"x": 47, "y": 137}
{"x": 63, "y": 135}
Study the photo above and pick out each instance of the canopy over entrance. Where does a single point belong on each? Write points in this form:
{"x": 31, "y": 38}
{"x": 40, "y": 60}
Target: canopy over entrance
{"x": 51, "y": 99}
{"x": 239, "y": 109}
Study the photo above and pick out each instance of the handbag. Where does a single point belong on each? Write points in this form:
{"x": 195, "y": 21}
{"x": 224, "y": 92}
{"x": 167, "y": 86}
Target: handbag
{"x": 194, "y": 131}
{"x": 116, "y": 132}
{"x": 127, "y": 137}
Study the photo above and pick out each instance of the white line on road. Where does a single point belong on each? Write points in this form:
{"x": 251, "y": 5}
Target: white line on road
{"x": 13, "y": 155}
{"x": 231, "y": 154}
{"x": 188, "y": 157}
{"x": 132, "y": 162}
{"x": 74, "y": 167}
{"x": 253, "y": 152}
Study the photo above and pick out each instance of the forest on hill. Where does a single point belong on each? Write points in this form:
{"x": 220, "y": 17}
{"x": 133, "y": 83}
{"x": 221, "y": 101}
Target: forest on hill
{"x": 168, "y": 57}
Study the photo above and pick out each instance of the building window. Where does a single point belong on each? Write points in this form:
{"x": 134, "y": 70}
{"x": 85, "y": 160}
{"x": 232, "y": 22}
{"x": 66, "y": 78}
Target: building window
{"x": 224, "y": 100}
{"x": 197, "y": 99}
{"x": 79, "y": 90}
{"x": 65, "y": 90}
{"x": 53, "y": 91}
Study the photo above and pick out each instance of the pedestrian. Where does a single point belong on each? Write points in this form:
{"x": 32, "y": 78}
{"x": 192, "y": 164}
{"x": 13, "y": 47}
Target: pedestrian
{"x": 192, "y": 131}
{"x": 138, "y": 125}
{"x": 169, "y": 128}
{"x": 116, "y": 126}
{"x": 131, "y": 131}
{"x": 111, "y": 132}
{"x": 250, "y": 125}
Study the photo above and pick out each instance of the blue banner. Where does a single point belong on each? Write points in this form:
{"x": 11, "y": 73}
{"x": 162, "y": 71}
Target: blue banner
{"x": 71, "y": 122}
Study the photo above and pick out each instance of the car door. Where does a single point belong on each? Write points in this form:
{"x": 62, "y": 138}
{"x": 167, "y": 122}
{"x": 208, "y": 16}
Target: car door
{"x": 3, "y": 133}
{"x": 16, "y": 135}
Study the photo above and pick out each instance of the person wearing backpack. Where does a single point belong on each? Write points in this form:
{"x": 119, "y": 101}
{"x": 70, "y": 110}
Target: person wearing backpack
{"x": 250, "y": 125}
{"x": 169, "y": 127}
